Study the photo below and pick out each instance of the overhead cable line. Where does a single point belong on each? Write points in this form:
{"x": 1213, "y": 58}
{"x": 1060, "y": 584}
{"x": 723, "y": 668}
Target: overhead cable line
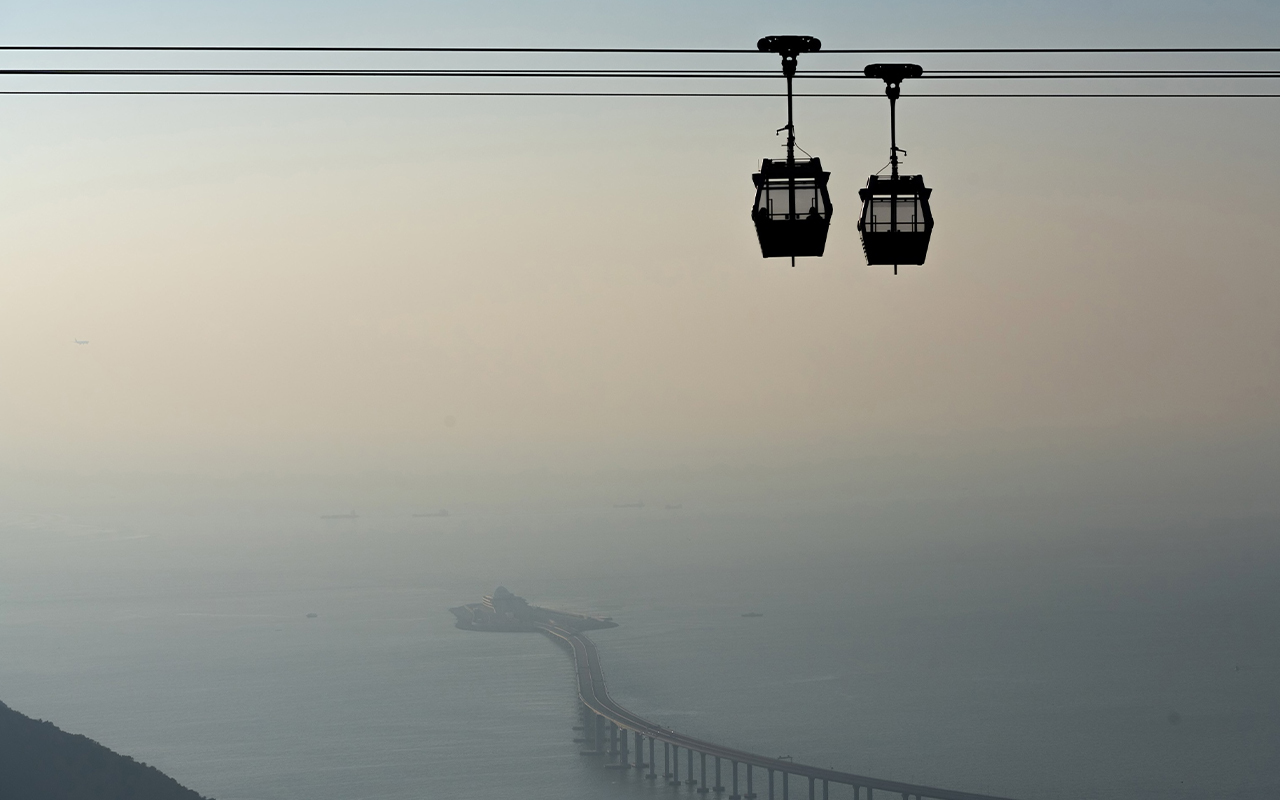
{"x": 323, "y": 93}
{"x": 652, "y": 74}
{"x": 620, "y": 50}
{"x": 1080, "y": 76}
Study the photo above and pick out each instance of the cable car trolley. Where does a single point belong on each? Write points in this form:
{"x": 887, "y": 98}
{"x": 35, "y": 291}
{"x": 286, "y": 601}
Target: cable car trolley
{"x": 896, "y": 220}
{"x": 792, "y": 210}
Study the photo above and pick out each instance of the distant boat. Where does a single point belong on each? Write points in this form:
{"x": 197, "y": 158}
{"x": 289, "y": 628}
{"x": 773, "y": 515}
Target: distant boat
{"x": 677, "y": 505}
{"x": 312, "y": 615}
{"x": 444, "y": 512}
{"x": 352, "y": 515}
{"x": 82, "y": 341}
{"x": 629, "y": 505}
{"x": 753, "y": 614}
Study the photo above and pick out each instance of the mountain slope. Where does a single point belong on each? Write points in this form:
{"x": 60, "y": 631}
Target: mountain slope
{"x": 40, "y": 762}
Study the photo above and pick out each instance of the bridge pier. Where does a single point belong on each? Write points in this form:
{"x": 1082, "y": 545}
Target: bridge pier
{"x": 624, "y": 758}
{"x": 587, "y": 665}
{"x": 702, "y": 788}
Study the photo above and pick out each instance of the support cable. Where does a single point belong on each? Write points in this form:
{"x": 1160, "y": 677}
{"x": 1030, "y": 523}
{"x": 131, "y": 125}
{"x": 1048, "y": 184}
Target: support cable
{"x": 324, "y": 93}
{"x": 650, "y": 74}
{"x": 617, "y": 50}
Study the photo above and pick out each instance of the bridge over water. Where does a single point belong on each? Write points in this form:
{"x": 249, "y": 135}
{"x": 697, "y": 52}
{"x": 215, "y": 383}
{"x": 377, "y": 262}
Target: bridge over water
{"x": 607, "y": 727}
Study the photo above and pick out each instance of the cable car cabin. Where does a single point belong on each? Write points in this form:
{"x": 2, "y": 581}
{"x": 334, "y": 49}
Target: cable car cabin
{"x": 896, "y": 221}
{"x": 793, "y": 210}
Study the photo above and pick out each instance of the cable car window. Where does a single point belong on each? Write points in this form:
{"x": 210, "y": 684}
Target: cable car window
{"x": 879, "y": 215}
{"x": 776, "y": 201}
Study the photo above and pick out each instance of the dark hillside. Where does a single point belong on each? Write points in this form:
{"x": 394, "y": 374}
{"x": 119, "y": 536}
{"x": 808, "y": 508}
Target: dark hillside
{"x": 40, "y": 762}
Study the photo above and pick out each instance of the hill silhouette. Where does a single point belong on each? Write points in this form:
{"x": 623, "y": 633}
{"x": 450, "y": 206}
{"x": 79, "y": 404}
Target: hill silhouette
{"x": 40, "y": 762}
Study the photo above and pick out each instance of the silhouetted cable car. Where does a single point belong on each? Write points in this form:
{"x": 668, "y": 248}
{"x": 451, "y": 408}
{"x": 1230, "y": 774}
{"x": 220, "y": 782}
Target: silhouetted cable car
{"x": 792, "y": 211}
{"x": 896, "y": 221}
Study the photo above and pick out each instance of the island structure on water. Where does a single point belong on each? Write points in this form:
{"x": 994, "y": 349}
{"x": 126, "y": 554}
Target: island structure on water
{"x": 612, "y": 731}
{"x": 505, "y": 612}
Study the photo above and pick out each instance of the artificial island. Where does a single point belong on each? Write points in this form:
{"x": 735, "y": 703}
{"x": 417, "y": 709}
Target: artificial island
{"x": 607, "y": 727}
{"x": 504, "y": 612}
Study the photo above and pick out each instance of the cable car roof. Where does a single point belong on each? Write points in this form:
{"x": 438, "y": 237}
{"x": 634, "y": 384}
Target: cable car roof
{"x": 800, "y": 168}
{"x": 903, "y": 184}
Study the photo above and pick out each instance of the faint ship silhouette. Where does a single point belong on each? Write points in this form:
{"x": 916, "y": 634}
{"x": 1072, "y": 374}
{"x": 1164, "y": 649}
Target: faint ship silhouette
{"x": 351, "y": 515}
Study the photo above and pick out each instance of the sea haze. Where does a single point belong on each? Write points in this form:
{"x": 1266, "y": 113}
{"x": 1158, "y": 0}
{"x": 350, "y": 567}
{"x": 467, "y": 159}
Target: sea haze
{"x": 1104, "y": 663}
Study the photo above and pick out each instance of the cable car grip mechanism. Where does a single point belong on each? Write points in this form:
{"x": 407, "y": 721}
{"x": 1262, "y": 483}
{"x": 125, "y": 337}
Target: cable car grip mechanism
{"x": 790, "y": 48}
{"x": 893, "y": 75}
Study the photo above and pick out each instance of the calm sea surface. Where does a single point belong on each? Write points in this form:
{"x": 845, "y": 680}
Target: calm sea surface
{"x": 1098, "y": 665}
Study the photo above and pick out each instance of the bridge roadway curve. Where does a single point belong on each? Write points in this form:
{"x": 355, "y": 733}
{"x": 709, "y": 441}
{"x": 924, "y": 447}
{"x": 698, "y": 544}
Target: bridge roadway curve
{"x": 594, "y": 695}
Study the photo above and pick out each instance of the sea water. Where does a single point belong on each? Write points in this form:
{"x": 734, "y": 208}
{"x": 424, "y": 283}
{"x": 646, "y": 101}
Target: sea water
{"x": 1096, "y": 664}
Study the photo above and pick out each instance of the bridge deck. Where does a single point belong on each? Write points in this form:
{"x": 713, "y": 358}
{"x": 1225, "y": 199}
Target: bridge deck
{"x": 592, "y": 692}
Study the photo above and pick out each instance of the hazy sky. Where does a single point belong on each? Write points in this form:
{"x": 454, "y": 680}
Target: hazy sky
{"x": 334, "y": 284}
